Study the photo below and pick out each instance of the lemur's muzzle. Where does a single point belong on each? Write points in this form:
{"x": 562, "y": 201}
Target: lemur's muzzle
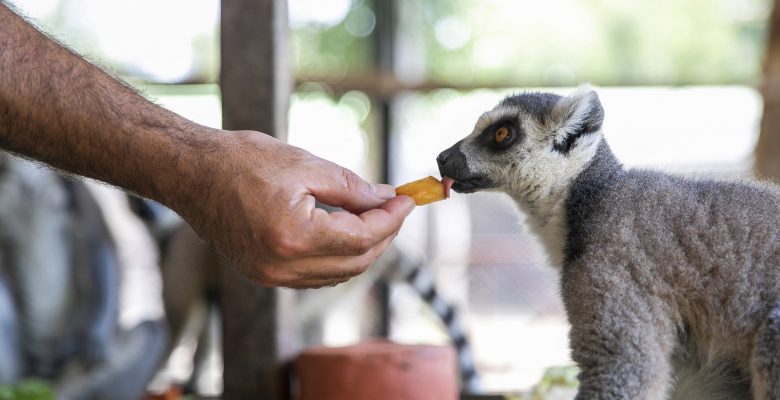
{"x": 452, "y": 163}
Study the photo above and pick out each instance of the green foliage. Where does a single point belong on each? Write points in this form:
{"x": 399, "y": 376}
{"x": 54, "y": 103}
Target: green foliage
{"x": 560, "y": 42}
{"x": 609, "y": 42}
{"x": 564, "y": 377}
{"x": 334, "y": 51}
{"x": 28, "y": 389}
{"x": 517, "y": 42}
{"x": 555, "y": 377}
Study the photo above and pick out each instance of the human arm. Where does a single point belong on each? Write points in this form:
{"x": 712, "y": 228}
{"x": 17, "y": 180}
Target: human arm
{"x": 249, "y": 195}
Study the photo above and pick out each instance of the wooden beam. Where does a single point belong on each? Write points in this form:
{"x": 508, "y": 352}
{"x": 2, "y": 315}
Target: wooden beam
{"x": 767, "y": 163}
{"x": 255, "y": 76}
{"x": 384, "y": 60}
{"x": 386, "y": 86}
{"x": 257, "y": 337}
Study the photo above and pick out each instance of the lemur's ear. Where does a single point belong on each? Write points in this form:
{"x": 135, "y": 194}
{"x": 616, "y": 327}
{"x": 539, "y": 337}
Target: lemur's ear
{"x": 575, "y": 116}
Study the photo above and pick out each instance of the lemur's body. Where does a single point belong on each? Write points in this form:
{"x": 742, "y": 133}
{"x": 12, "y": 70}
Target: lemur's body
{"x": 671, "y": 285}
{"x": 68, "y": 265}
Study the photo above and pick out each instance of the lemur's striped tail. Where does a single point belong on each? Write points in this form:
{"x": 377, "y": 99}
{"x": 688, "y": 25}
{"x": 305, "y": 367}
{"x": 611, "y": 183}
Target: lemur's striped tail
{"x": 422, "y": 281}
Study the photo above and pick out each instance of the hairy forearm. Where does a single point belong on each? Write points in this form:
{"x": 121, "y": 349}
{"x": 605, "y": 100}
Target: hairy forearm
{"x": 60, "y": 109}
{"x": 250, "y": 196}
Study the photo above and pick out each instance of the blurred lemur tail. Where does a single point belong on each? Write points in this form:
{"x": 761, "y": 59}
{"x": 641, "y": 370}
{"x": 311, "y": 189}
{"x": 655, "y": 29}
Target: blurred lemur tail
{"x": 423, "y": 284}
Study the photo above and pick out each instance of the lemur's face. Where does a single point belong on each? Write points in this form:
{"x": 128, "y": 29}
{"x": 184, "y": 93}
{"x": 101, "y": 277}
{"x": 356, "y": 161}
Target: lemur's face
{"x": 527, "y": 144}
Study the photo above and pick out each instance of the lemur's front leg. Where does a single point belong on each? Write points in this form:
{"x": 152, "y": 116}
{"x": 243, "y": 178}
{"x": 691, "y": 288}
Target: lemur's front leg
{"x": 765, "y": 362}
{"x": 622, "y": 352}
{"x": 621, "y": 365}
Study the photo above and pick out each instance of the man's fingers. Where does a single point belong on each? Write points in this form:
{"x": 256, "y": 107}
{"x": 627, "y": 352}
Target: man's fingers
{"x": 331, "y": 248}
{"x": 314, "y": 232}
{"x": 339, "y": 187}
{"x": 314, "y": 272}
{"x": 346, "y": 234}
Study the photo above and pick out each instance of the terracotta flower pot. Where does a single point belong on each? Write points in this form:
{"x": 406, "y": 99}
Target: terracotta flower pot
{"x": 378, "y": 371}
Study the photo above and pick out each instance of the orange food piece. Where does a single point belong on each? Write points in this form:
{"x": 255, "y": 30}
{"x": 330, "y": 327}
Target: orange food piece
{"x": 423, "y": 191}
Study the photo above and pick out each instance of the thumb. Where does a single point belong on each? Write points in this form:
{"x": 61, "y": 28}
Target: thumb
{"x": 339, "y": 187}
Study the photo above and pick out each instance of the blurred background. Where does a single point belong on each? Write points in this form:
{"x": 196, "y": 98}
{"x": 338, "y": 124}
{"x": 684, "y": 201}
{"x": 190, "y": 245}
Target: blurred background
{"x": 383, "y": 93}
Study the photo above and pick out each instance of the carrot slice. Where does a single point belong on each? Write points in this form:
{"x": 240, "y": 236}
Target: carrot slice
{"x": 423, "y": 191}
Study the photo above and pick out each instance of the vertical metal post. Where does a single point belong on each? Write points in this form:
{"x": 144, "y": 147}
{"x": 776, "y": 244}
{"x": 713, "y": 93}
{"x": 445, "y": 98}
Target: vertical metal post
{"x": 255, "y": 84}
{"x": 384, "y": 60}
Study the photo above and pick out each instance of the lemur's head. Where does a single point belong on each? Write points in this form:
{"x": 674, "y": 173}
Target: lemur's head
{"x": 527, "y": 145}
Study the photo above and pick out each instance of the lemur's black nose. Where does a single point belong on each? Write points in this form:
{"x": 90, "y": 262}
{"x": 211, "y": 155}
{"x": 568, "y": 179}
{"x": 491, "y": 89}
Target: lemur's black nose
{"x": 452, "y": 162}
{"x": 442, "y": 158}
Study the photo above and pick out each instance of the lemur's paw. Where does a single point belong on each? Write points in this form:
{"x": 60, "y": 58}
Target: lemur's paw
{"x": 426, "y": 190}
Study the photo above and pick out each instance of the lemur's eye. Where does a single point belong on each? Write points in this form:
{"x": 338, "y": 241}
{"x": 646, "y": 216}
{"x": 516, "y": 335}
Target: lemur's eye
{"x": 501, "y": 134}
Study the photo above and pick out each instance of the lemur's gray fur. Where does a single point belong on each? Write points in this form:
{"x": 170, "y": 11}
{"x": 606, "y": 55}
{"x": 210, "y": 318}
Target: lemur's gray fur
{"x": 671, "y": 284}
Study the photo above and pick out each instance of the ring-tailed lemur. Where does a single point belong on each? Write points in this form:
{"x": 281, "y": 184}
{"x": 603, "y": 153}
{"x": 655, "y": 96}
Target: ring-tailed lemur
{"x": 671, "y": 284}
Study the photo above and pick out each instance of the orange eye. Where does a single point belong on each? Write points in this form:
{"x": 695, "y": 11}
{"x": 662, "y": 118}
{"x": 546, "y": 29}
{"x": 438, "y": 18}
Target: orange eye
{"x": 501, "y": 134}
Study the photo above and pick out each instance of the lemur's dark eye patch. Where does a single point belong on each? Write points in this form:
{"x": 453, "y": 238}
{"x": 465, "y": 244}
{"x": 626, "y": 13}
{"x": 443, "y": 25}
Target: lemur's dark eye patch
{"x": 500, "y": 135}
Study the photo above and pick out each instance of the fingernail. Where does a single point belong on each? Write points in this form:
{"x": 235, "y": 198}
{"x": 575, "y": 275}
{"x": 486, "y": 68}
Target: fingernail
{"x": 383, "y": 191}
{"x": 410, "y": 206}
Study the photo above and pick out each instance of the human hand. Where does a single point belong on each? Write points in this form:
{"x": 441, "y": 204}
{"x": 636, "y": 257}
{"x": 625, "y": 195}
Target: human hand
{"x": 249, "y": 195}
{"x": 256, "y": 206}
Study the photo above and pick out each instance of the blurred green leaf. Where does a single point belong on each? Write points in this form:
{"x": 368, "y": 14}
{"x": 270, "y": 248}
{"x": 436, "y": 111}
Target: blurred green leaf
{"x": 28, "y": 389}
{"x": 562, "y": 376}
